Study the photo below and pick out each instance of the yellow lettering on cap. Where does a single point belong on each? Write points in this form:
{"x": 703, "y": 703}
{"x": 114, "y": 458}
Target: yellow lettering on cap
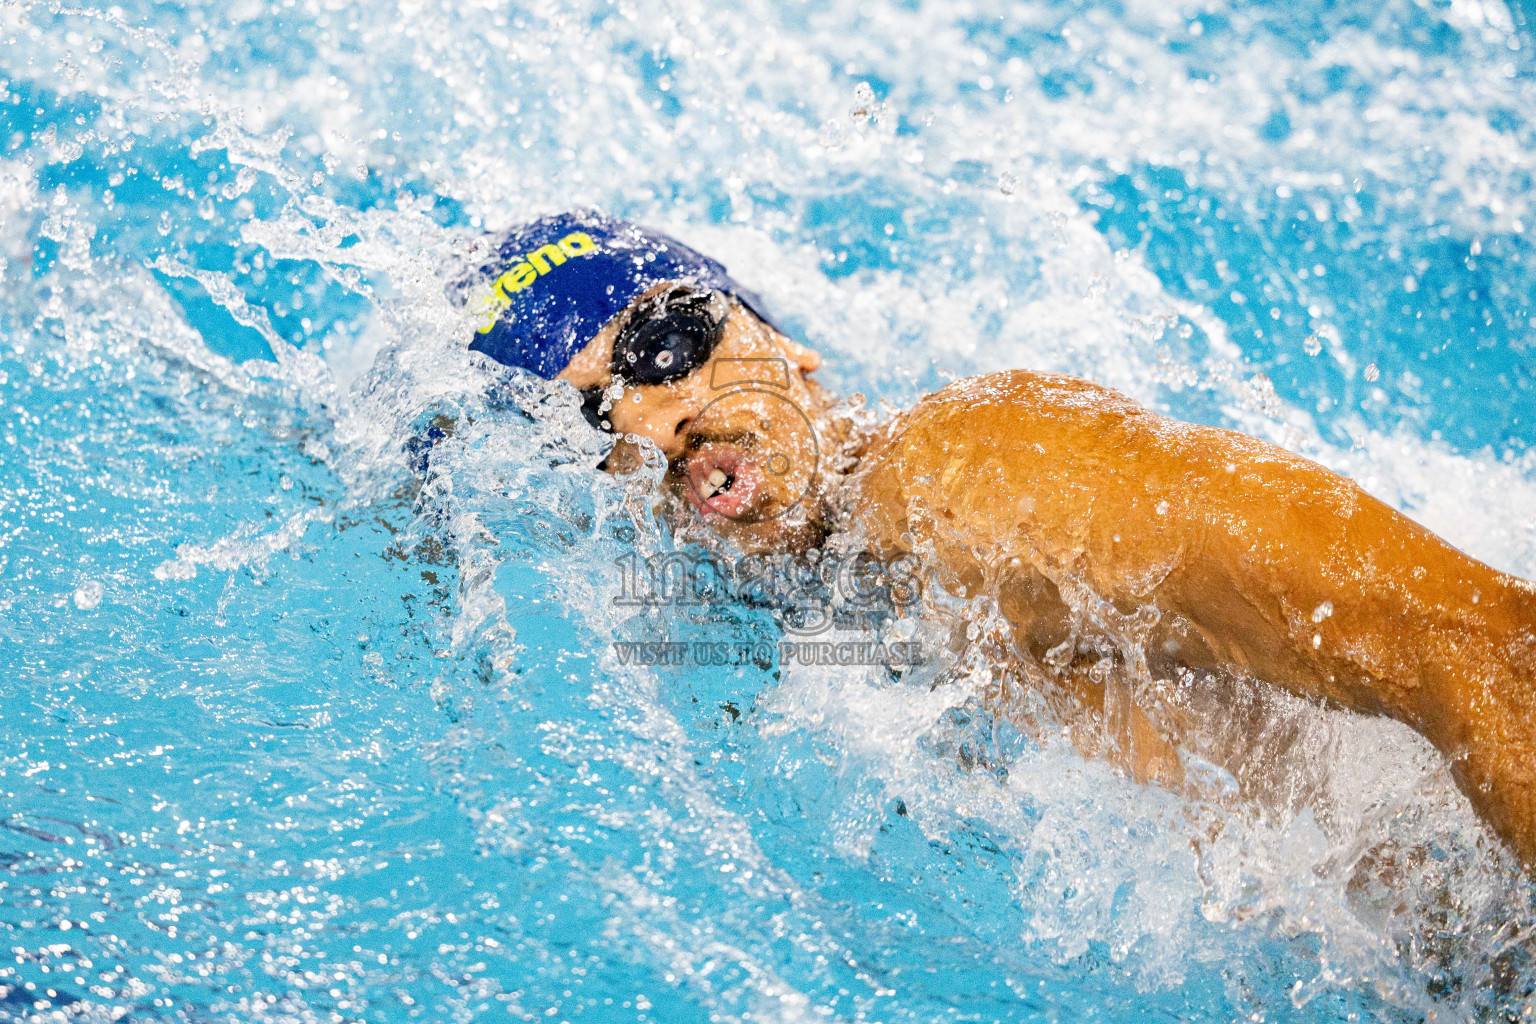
{"x": 514, "y": 280}
{"x": 537, "y": 257}
{"x": 522, "y": 274}
{"x": 577, "y": 243}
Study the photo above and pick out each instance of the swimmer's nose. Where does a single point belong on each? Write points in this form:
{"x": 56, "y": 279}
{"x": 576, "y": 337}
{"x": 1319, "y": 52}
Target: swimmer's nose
{"x": 663, "y": 417}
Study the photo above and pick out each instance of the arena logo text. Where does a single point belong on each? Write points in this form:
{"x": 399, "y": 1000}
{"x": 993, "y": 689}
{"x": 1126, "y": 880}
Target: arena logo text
{"x": 529, "y": 269}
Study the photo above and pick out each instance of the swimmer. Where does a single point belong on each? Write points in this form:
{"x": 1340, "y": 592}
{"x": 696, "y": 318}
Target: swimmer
{"x": 1033, "y": 489}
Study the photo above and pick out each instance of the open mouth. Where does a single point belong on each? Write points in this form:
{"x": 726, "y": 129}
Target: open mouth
{"x": 722, "y": 479}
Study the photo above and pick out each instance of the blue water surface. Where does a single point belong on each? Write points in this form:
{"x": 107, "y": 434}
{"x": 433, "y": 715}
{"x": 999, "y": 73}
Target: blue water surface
{"x": 292, "y": 732}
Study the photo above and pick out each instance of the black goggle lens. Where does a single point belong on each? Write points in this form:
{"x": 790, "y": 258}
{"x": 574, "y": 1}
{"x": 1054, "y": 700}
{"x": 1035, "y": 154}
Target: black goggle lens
{"x": 670, "y": 336}
{"x": 669, "y": 347}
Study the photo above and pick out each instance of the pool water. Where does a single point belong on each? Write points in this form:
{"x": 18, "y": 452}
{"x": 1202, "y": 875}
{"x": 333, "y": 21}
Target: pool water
{"x": 291, "y": 735}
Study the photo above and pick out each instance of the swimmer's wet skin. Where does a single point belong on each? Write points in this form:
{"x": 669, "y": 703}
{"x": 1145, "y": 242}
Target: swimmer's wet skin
{"x": 1243, "y": 557}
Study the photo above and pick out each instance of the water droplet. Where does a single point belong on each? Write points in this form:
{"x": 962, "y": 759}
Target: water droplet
{"x": 244, "y": 179}
{"x": 1322, "y": 611}
{"x": 88, "y": 594}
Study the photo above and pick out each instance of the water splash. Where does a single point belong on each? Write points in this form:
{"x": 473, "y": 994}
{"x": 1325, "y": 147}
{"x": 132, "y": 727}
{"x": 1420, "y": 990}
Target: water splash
{"x": 397, "y": 772}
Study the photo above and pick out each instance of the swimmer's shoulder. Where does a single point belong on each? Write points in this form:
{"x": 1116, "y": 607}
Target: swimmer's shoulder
{"x": 1013, "y": 407}
{"x": 985, "y": 442}
{"x": 980, "y": 425}
{"x": 1016, "y": 390}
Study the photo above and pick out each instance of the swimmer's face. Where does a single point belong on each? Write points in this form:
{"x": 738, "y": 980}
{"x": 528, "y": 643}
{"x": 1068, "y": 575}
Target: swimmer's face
{"x": 742, "y": 433}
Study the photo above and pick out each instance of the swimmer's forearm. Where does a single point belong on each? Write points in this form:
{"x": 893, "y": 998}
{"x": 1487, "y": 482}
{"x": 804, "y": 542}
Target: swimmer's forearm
{"x": 1371, "y": 610}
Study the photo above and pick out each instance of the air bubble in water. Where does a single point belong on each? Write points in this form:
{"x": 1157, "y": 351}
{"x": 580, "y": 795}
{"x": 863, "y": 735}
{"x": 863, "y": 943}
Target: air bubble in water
{"x": 1313, "y": 345}
{"x": 1372, "y": 374}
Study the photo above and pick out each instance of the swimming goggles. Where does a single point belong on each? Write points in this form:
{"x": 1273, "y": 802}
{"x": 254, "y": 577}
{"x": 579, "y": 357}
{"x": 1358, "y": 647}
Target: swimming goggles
{"x": 663, "y": 338}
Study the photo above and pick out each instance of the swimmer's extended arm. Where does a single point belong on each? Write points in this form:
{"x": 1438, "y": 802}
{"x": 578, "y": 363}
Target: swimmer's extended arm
{"x": 1258, "y": 561}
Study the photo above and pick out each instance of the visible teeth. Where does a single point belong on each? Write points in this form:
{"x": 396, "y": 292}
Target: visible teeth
{"x": 717, "y": 477}
{"x": 706, "y": 489}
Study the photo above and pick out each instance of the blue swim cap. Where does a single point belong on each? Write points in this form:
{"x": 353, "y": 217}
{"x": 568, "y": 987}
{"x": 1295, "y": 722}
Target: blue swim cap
{"x": 556, "y": 281}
